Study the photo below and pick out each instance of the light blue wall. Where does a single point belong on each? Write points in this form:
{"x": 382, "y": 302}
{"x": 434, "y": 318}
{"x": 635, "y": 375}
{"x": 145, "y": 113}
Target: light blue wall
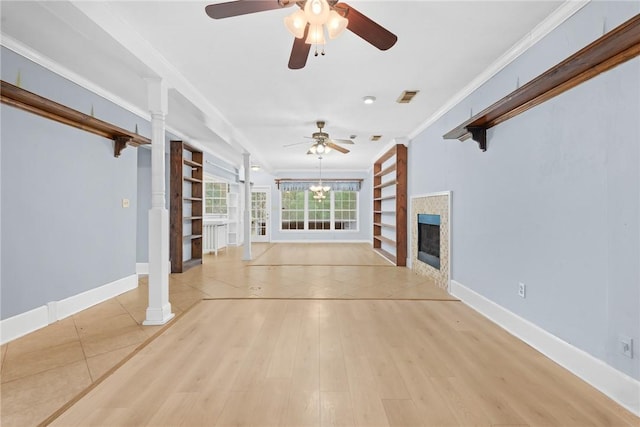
{"x": 144, "y": 204}
{"x": 64, "y": 230}
{"x": 365, "y": 227}
{"x": 555, "y": 201}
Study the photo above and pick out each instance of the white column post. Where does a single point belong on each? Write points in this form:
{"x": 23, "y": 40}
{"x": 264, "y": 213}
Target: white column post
{"x": 247, "y": 207}
{"x": 159, "y": 308}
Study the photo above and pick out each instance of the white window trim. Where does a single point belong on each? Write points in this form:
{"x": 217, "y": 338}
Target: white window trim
{"x": 332, "y": 217}
{"x": 214, "y": 179}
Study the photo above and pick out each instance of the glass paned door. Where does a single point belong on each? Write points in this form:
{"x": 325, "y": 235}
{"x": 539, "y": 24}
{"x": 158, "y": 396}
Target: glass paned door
{"x": 260, "y": 225}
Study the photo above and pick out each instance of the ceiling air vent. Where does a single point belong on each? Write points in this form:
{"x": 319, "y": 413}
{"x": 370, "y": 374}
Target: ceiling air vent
{"x": 376, "y": 137}
{"x": 407, "y": 96}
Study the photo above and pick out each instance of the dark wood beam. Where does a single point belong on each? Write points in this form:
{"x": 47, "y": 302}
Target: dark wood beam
{"x": 617, "y": 46}
{"x": 29, "y": 101}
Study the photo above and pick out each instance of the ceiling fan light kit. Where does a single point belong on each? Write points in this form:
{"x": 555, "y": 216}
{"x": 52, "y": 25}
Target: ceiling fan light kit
{"x": 316, "y": 35}
{"x": 309, "y": 23}
{"x": 318, "y": 15}
{"x": 319, "y": 148}
{"x": 336, "y": 24}
{"x": 316, "y": 11}
{"x": 296, "y": 23}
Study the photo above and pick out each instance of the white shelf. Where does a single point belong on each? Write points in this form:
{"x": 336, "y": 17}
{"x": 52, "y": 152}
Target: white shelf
{"x": 233, "y": 206}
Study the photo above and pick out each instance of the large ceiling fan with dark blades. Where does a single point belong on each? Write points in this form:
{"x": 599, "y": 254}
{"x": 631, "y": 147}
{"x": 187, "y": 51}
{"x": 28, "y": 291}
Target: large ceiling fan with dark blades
{"x": 310, "y": 22}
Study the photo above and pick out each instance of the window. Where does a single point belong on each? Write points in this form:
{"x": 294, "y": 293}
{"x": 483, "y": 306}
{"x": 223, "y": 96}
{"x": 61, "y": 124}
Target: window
{"x": 293, "y": 210}
{"x": 300, "y": 211}
{"x": 346, "y": 210}
{"x": 215, "y": 198}
{"x": 319, "y": 212}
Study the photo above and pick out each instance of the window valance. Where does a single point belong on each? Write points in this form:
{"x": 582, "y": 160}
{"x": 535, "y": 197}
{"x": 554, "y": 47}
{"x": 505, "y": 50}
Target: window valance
{"x": 292, "y": 184}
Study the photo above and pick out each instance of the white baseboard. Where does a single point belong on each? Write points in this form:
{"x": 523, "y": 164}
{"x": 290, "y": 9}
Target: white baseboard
{"x": 142, "y": 268}
{"x": 79, "y": 302}
{"x": 23, "y": 323}
{"x": 620, "y": 387}
{"x": 32, "y": 320}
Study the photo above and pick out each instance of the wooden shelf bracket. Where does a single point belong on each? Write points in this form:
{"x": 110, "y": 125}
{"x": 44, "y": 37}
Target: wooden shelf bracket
{"x": 119, "y": 144}
{"x": 479, "y": 135}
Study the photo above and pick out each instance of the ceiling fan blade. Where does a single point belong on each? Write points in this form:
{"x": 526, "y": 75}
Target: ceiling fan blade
{"x": 295, "y": 143}
{"x": 244, "y": 7}
{"x": 337, "y": 147}
{"x": 299, "y": 52}
{"x": 342, "y": 141}
{"x": 367, "y": 29}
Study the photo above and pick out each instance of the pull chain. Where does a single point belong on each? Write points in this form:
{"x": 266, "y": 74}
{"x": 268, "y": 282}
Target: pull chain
{"x": 316, "y": 44}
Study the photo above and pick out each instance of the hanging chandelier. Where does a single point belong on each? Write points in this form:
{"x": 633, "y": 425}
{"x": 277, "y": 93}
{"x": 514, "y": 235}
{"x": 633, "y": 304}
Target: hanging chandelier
{"x": 319, "y": 190}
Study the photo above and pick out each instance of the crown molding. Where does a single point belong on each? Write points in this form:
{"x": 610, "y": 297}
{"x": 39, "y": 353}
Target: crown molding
{"x": 55, "y": 67}
{"x": 560, "y": 15}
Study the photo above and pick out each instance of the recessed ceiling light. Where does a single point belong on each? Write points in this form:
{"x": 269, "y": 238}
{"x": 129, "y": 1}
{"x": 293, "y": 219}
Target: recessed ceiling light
{"x": 375, "y": 137}
{"x": 369, "y": 99}
{"x": 255, "y": 167}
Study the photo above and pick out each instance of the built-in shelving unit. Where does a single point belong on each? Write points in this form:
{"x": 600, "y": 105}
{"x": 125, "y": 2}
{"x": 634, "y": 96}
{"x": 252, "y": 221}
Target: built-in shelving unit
{"x": 617, "y": 46}
{"x": 390, "y": 205}
{"x": 233, "y": 207}
{"x": 186, "y": 191}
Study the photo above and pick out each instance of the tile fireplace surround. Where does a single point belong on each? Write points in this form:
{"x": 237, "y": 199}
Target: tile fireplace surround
{"x": 435, "y": 204}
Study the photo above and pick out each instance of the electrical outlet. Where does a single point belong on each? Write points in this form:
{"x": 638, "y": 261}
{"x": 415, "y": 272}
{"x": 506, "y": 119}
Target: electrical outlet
{"x": 626, "y": 346}
{"x": 522, "y": 290}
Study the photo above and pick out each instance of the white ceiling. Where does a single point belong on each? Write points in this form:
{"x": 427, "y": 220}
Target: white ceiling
{"x": 231, "y": 89}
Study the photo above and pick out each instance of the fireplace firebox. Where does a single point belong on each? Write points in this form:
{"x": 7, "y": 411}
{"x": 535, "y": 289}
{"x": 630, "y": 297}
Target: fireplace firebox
{"x": 429, "y": 239}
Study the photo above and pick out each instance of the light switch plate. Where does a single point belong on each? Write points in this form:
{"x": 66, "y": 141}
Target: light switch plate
{"x": 125, "y": 203}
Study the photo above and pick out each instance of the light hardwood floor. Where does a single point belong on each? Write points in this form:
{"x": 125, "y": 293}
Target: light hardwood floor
{"x": 386, "y": 348}
{"x": 42, "y": 371}
{"x": 329, "y": 254}
{"x": 340, "y": 362}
